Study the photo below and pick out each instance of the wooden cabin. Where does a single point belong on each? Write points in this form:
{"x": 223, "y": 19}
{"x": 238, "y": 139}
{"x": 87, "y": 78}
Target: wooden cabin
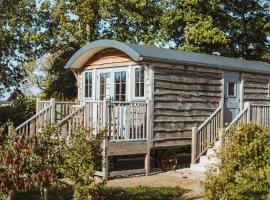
{"x": 155, "y": 100}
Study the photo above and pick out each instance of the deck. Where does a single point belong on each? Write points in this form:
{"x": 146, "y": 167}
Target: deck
{"x": 126, "y": 125}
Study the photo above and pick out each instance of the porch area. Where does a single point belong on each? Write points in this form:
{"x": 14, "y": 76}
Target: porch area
{"x": 125, "y": 125}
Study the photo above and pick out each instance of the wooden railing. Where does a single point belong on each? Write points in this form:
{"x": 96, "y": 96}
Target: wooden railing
{"x": 72, "y": 122}
{"x": 33, "y": 124}
{"x": 260, "y": 114}
{"x": 251, "y": 112}
{"x": 127, "y": 121}
{"x": 124, "y": 121}
{"x": 206, "y": 134}
{"x": 62, "y": 108}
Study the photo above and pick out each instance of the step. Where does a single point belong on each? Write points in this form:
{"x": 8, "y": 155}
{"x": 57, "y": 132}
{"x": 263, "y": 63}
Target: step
{"x": 198, "y": 167}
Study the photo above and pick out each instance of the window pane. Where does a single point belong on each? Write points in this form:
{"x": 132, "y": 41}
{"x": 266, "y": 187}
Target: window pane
{"x": 137, "y": 74}
{"x": 123, "y": 76}
{"x": 86, "y": 91}
{"x": 231, "y": 89}
{"x": 117, "y": 77}
{"x": 123, "y": 88}
{"x": 88, "y": 84}
{"x": 141, "y": 74}
{"x": 139, "y": 82}
{"x": 137, "y": 85}
{"x": 142, "y": 90}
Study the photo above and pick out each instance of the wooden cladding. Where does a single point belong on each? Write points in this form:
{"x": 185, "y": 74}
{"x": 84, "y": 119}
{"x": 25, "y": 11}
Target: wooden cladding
{"x": 184, "y": 97}
{"x": 256, "y": 88}
{"x": 108, "y": 56}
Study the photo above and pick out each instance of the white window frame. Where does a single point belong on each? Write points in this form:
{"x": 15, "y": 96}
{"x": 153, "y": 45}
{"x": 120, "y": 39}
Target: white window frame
{"x": 133, "y": 83}
{"x": 268, "y": 86}
{"x": 235, "y": 92}
{"x": 93, "y": 85}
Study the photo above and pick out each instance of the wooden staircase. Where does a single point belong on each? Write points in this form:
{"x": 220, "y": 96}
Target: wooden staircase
{"x": 208, "y": 139}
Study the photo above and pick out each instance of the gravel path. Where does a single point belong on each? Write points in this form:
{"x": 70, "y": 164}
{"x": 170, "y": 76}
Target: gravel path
{"x": 183, "y": 178}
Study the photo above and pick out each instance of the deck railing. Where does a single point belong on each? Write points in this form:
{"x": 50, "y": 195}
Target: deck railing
{"x": 127, "y": 121}
{"x": 124, "y": 121}
{"x": 33, "y": 124}
{"x": 74, "y": 121}
{"x": 62, "y": 108}
{"x": 206, "y": 134}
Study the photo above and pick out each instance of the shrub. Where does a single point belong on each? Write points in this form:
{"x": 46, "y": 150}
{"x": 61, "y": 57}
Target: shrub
{"x": 81, "y": 157}
{"x": 19, "y": 111}
{"x": 28, "y": 161}
{"x": 43, "y": 159}
{"x": 245, "y": 166}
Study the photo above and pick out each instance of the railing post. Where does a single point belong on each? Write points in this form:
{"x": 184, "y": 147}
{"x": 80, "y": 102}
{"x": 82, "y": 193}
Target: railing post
{"x": 248, "y": 105}
{"x": 221, "y": 136}
{"x": 105, "y": 161}
{"x": 53, "y": 120}
{"x": 149, "y": 137}
{"x": 222, "y": 122}
{"x": 194, "y": 145}
{"x": 37, "y": 104}
{"x": 105, "y": 114}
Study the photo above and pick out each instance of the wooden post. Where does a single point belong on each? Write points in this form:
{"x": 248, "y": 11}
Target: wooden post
{"x": 222, "y": 122}
{"x": 248, "y": 105}
{"x": 221, "y": 136}
{"x": 194, "y": 145}
{"x": 53, "y": 120}
{"x": 149, "y": 138}
{"x": 105, "y": 161}
{"x": 37, "y": 104}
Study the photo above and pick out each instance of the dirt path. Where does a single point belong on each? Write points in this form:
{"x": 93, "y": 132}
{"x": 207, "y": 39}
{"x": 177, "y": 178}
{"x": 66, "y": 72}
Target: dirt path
{"x": 183, "y": 178}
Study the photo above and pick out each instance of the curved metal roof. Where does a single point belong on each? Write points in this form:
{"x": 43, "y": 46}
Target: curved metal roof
{"x": 145, "y": 53}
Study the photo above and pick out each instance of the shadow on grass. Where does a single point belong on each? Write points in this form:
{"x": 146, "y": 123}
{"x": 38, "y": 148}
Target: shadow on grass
{"x": 109, "y": 193}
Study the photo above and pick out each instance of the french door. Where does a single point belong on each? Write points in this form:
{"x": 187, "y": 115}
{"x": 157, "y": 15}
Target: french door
{"x": 112, "y": 84}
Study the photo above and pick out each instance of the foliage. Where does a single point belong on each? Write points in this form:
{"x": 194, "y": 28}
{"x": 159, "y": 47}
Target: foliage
{"x": 245, "y": 166}
{"x": 43, "y": 159}
{"x": 109, "y": 193}
{"x": 141, "y": 192}
{"x": 81, "y": 156}
{"x": 19, "y": 111}
{"x": 28, "y": 161}
{"x": 18, "y": 21}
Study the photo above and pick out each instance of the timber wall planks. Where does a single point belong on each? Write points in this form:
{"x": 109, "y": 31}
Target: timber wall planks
{"x": 108, "y": 57}
{"x": 183, "y": 97}
{"x": 256, "y": 88}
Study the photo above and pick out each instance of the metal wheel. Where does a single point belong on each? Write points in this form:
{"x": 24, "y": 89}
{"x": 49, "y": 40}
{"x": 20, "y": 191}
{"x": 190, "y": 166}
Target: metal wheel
{"x": 168, "y": 160}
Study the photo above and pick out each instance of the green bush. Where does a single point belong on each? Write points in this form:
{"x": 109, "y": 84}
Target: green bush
{"x": 244, "y": 172}
{"x": 19, "y": 111}
{"x": 44, "y": 160}
{"x": 26, "y": 162}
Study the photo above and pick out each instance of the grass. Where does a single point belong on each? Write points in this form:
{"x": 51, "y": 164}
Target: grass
{"x": 109, "y": 193}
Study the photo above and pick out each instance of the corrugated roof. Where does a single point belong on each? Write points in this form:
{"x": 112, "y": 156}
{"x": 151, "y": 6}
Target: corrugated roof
{"x": 146, "y": 53}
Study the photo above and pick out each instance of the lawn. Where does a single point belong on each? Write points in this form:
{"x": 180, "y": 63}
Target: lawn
{"x": 110, "y": 193}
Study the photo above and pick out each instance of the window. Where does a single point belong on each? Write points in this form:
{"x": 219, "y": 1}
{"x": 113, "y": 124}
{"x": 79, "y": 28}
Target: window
{"x": 231, "y": 89}
{"x": 120, "y": 86}
{"x": 88, "y": 84}
{"x": 139, "y": 82}
{"x": 269, "y": 87}
{"x": 104, "y": 85}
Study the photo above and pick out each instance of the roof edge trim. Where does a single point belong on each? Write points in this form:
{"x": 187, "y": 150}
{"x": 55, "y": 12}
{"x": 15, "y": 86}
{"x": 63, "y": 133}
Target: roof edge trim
{"x": 87, "y": 51}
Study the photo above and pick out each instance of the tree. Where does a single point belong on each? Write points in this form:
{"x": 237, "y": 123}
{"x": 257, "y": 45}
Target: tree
{"x": 191, "y": 26}
{"x": 247, "y": 27}
{"x": 16, "y": 22}
{"x": 244, "y": 168}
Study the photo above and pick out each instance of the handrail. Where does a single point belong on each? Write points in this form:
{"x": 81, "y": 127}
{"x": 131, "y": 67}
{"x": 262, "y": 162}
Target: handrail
{"x": 73, "y": 121}
{"x": 70, "y": 115}
{"x": 206, "y": 134}
{"x": 237, "y": 119}
{"x": 210, "y": 118}
{"x": 25, "y": 128}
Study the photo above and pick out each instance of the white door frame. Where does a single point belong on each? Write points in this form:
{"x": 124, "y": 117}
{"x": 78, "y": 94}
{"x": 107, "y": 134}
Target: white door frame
{"x": 112, "y": 72}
